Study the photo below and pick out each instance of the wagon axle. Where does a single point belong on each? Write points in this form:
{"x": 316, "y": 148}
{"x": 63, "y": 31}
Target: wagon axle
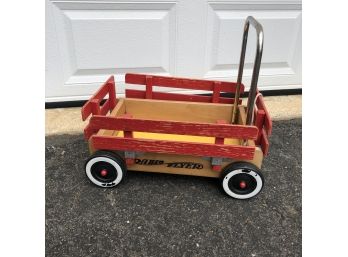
{"x": 104, "y": 173}
{"x": 242, "y": 184}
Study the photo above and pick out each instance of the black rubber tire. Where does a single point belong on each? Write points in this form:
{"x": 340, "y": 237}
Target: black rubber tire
{"x": 238, "y": 172}
{"x": 112, "y": 163}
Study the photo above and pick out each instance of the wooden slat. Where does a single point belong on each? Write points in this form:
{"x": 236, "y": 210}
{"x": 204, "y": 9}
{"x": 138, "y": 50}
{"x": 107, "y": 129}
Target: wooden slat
{"x": 89, "y": 130}
{"x": 216, "y": 92}
{"x": 178, "y": 111}
{"x": 185, "y": 83}
{"x": 127, "y": 133}
{"x": 103, "y": 90}
{"x": 220, "y": 140}
{"x": 112, "y": 93}
{"x": 174, "y": 127}
{"x": 264, "y": 142}
{"x": 242, "y": 121}
{"x": 119, "y": 109}
{"x": 105, "y": 107}
{"x": 86, "y": 110}
{"x": 259, "y": 121}
{"x": 171, "y": 147}
{"x": 133, "y": 93}
{"x": 95, "y": 106}
{"x": 149, "y": 84}
{"x": 268, "y": 121}
{"x": 92, "y": 105}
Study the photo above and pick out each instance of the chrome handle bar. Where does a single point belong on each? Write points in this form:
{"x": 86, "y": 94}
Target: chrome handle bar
{"x": 255, "y": 75}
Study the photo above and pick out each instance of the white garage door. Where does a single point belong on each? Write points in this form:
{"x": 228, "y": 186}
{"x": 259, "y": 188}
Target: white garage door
{"x": 89, "y": 40}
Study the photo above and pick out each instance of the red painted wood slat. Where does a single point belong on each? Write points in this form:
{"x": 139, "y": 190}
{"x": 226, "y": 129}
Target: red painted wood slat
{"x": 259, "y": 121}
{"x": 112, "y": 93}
{"x": 149, "y": 84}
{"x": 86, "y": 110}
{"x": 264, "y": 142}
{"x": 220, "y": 140}
{"x": 216, "y": 92}
{"x": 133, "y": 93}
{"x": 268, "y": 121}
{"x": 105, "y": 107}
{"x": 174, "y": 127}
{"x": 173, "y": 147}
{"x": 95, "y": 106}
{"x": 185, "y": 83}
{"x": 89, "y": 131}
{"x": 92, "y": 105}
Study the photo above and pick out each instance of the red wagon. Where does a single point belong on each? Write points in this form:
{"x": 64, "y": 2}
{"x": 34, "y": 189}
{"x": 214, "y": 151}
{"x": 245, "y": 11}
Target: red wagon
{"x": 197, "y": 135}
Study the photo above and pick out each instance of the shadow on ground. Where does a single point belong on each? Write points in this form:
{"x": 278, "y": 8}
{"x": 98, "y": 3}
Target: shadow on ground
{"x": 169, "y": 215}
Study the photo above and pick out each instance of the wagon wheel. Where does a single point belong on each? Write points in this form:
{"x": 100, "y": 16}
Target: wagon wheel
{"x": 242, "y": 180}
{"x": 105, "y": 169}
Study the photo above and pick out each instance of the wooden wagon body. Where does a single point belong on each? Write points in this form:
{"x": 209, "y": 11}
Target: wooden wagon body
{"x": 175, "y": 133}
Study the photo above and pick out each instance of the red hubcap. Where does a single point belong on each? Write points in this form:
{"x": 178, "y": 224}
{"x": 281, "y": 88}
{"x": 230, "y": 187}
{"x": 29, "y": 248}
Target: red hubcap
{"x": 104, "y": 173}
{"x": 242, "y": 184}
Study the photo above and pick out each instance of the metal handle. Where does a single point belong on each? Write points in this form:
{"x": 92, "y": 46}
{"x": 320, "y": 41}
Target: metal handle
{"x": 255, "y": 76}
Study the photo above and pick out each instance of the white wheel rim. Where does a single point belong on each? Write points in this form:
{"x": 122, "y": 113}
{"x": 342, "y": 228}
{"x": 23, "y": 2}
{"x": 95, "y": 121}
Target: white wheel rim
{"x": 239, "y": 196}
{"x": 110, "y": 161}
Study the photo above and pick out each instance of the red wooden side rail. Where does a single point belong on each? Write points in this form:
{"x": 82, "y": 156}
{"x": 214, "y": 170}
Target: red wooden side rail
{"x": 173, "y": 127}
{"x": 133, "y": 93}
{"x": 92, "y": 106}
{"x": 208, "y": 85}
{"x": 173, "y": 147}
{"x": 264, "y": 123}
{"x": 128, "y": 143}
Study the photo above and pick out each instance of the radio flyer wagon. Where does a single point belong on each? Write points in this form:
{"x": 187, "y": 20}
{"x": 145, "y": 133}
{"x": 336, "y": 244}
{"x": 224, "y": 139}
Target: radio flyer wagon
{"x": 210, "y": 136}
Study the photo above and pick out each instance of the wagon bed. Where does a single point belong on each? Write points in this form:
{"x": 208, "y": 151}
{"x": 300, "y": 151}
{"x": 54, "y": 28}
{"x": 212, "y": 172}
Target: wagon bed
{"x": 150, "y": 123}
